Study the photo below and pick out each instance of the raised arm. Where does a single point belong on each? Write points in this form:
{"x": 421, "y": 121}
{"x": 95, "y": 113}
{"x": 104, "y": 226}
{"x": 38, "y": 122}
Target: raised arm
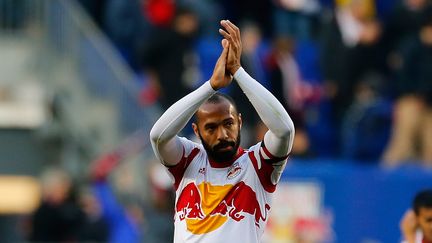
{"x": 279, "y": 139}
{"x": 408, "y": 226}
{"x": 165, "y": 142}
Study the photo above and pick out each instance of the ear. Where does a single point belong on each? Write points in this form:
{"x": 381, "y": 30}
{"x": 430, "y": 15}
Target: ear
{"x": 240, "y": 120}
{"x": 195, "y": 129}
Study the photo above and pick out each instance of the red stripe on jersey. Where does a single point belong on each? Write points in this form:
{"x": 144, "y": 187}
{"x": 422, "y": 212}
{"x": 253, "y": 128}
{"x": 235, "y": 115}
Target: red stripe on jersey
{"x": 179, "y": 169}
{"x": 264, "y": 173}
{"x": 271, "y": 158}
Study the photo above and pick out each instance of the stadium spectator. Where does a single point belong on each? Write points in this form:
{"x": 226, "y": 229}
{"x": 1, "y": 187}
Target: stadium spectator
{"x": 95, "y": 227}
{"x": 365, "y": 129}
{"x": 124, "y": 217}
{"x": 168, "y": 57}
{"x": 287, "y": 85}
{"x": 158, "y": 211}
{"x": 293, "y": 18}
{"x": 416, "y": 224}
{"x": 412, "y": 126}
{"x": 349, "y": 49}
{"x": 59, "y": 216}
{"x": 404, "y": 22}
{"x": 127, "y": 26}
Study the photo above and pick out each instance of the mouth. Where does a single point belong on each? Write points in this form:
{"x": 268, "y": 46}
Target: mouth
{"x": 226, "y": 148}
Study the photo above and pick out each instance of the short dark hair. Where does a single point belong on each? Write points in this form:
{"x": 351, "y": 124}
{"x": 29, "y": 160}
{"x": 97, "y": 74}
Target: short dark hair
{"x": 217, "y": 98}
{"x": 423, "y": 199}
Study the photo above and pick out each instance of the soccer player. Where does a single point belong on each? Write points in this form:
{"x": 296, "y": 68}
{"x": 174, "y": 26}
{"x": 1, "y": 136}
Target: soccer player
{"x": 416, "y": 224}
{"x": 223, "y": 192}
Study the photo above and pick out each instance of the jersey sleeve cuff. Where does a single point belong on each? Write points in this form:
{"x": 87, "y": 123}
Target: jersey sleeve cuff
{"x": 240, "y": 74}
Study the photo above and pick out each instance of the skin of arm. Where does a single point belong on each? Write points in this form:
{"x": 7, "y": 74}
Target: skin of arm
{"x": 163, "y": 136}
{"x": 280, "y": 137}
{"x": 408, "y": 226}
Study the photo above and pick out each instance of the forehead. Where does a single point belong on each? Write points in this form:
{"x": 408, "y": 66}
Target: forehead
{"x": 425, "y": 212}
{"x": 213, "y": 112}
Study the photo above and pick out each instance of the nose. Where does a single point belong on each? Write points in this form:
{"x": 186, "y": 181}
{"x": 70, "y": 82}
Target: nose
{"x": 222, "y": 134}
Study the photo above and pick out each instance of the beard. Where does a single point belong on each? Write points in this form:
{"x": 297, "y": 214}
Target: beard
{"x": 218, "y": 155}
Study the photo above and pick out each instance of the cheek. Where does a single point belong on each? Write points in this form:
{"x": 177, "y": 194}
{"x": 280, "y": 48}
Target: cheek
{"x": 233, "y": 133}
{"x": 209, "y": 138}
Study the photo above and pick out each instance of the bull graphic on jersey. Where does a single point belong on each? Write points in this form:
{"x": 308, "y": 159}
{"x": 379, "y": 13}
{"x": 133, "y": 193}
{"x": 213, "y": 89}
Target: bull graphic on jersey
{"x": 206, "y": 207}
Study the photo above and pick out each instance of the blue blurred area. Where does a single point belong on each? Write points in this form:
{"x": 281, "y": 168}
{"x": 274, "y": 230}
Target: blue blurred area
{"x": 367, "y": 202}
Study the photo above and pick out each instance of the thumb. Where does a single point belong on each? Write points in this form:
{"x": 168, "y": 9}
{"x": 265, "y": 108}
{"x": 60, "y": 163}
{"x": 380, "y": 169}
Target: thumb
{"x": 225, "y": 45}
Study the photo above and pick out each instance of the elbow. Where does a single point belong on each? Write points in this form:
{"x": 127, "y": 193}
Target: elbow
{"x": 154, "y": 135}
{"x": 288, "y": 130}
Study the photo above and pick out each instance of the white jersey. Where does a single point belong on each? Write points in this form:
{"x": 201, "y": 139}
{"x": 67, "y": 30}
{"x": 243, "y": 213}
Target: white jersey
{"x": 224, "y": 202}
{"x": 418, "y": 237}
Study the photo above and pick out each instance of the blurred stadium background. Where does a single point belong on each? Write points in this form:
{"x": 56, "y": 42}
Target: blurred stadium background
{"x": 81, "y": 85}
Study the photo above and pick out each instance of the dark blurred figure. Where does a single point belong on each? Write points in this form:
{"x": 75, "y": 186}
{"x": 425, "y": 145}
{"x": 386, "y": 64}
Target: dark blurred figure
{"x": 130, "y": 218}
{"x": 125, "y": 23}
{"x": 210, "y": 12}
{"x": 403, "y": 23}
{"x": 350, "y": 49}
{"x": 59, "y": 217}
{"x": 168, "y": 57}
{"x": 286, "y": 84}
{"x": 94, "y": 228}
{"x": 159, "y": 226}
{"x": 411, "y": 138}
{"x": 293, "y": 18}
{"x": 254, "y": 10}
{"x": 122, "y": 213}
{"x": 365, "y": 127}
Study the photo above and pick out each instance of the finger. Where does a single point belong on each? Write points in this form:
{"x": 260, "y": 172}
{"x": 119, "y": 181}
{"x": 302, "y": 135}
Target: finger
{"x": 231, "y": 28}
{"x": 228, "y": 28}
{"x": 225, "y": 34}
{"x": 233, "y": 42}
{"x": 234, "y": 27}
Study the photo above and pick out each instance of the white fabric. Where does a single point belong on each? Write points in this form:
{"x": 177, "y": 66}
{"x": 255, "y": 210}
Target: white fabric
{"x": 228, "y": 203}
{"x": 418, "y": 237}
{"x": 279, "y": 139}
{"x": 209, "y": 199}
{"x": 163, "y": 135}
{"x": 350, "y": 27}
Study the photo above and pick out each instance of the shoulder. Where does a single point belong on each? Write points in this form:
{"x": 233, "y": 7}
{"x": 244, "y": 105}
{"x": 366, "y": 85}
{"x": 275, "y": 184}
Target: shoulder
{"x": 190, "y": 145}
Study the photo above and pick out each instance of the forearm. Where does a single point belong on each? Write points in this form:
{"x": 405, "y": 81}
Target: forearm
{"x": 280, "y": 137}
{"x": 164, "y": 132}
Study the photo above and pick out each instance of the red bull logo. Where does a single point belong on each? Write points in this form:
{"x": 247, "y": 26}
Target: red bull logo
{"x": 207, "y": 207}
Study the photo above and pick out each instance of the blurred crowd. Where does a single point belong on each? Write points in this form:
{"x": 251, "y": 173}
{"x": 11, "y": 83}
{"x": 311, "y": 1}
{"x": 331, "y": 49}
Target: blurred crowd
{"x": 355, "y": 75}
{"x": 102, "y": 206}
